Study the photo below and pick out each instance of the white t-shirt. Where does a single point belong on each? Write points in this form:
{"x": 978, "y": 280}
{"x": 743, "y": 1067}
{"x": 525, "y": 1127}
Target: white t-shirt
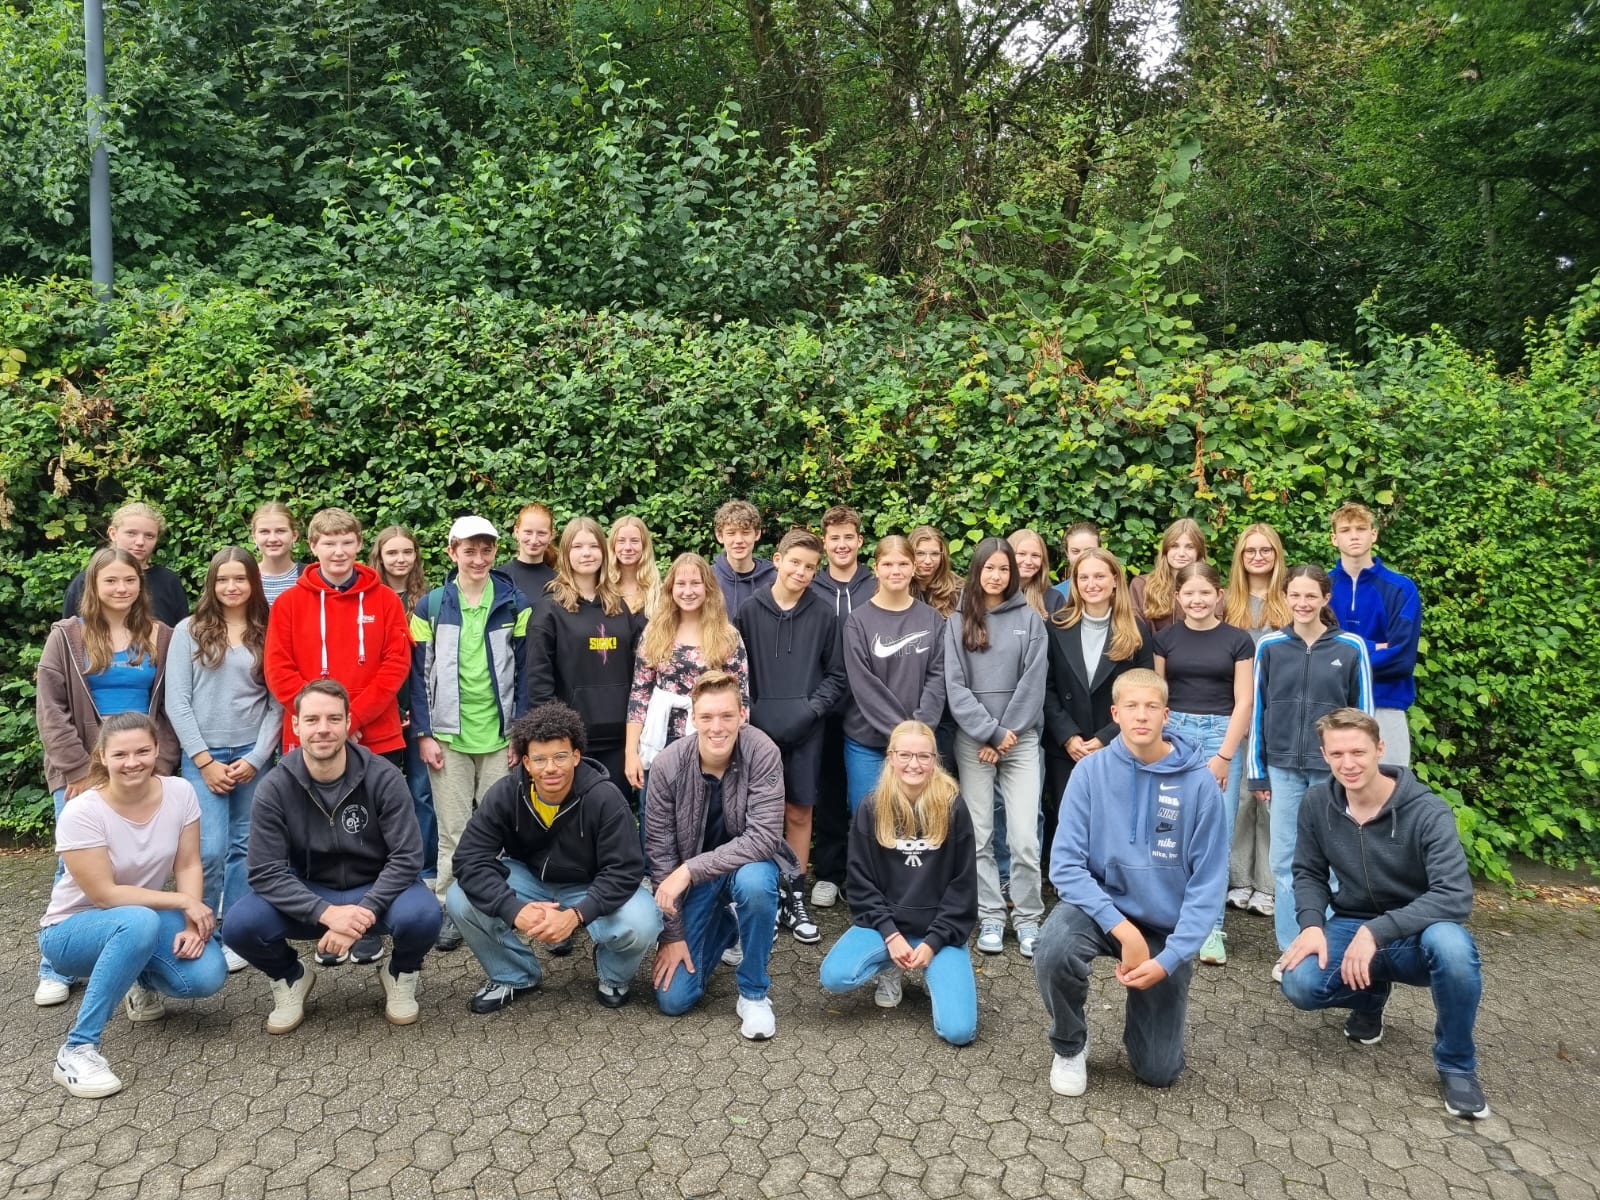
{"x": 141, "y": 853}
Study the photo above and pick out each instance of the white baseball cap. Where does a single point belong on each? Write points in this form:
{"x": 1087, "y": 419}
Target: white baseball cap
{"x": 463, "y": 528}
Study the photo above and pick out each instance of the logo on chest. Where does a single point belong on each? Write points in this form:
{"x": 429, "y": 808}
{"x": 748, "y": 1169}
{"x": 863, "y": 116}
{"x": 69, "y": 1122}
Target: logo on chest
{"x": 354, "y": 818}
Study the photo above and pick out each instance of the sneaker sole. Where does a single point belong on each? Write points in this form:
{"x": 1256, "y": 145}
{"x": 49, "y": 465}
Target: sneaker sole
{"x": 400, "y": 1019}
{"x": 1361, "y": 1041}
{"x": 85, "y": 1091}
{"x": 1483, "y": 1114}
{"x": 1000, "y": 949}
{"x": 804, "y": 939}
{"x": 1215, "y": 960}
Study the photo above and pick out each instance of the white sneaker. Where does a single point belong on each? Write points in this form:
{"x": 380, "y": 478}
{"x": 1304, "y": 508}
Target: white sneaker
{"x": 756, "y": 1021}
{"x": 1239, "y": 897}
{"x": 824, "y": 894}
{"x": 144, "y": 1004}
{"x": 733, "y": 955}
{"x": 84, "y": 1073}
{"x": 289, "y": 1001}
{"x": 889, "y": 990}
{"x": 399, "y": 995}
{"x": 51, "y": 991}
{"x": 1262, "y": 904}
{"x": 235, "y": 963}
{"x": 1070, "y": 1076}
{"x": 1277, "y": 972}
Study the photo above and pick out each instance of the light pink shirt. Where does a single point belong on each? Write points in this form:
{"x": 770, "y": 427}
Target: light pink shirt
{"x": 141, "y": 853}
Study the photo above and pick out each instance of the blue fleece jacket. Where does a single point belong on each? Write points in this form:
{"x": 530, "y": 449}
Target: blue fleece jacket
{"x": 1145, "y": 841}
{"x": 1382, "y": 605}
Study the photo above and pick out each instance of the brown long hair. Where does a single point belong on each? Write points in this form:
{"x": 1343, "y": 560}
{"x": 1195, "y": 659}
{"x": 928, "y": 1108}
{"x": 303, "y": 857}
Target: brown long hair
{"x": 1318, "y": 576}
{"x": 1274, "y": 609}
{"x": 1158, "y": 590}
{"x": 564, "y": 587}
{"x": 974, "y": 612}
{"x": 1125, "y": 637}
{"x": 123, "y": 722}
{"x": 944, "y": 589}
{"x": 1033, "y": 590}
{"x": 895, "y": 814}
{"x": 415, "y": 585}
{"x": 719, "y": 640}
{"x": 208, "y": 628}
{"x": 97, "y": 630}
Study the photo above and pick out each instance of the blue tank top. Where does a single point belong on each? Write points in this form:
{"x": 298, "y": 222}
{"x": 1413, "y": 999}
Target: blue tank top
{"x": 123, "y": 688}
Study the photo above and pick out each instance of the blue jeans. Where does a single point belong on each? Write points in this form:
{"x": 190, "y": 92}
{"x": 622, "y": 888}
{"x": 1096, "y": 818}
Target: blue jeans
{"x": 1288, "y": 789}
{"x": 1209, "y": 730}
{"x": 118, "y": 947}
{"x": 620, "y": 938}
{"x": 709, "y": 929}
{"x": 259, "y": 933}
{"x": 861, "y": 953}
{"x": 224, "y": 829}
{"x": 1442, "y": 958}
{"x": 862, "y": 767}
{"x": 1152, "y": 1030}
{"x": 421, "y": 786}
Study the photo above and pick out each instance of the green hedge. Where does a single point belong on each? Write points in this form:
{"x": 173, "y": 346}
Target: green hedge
{"x": 414, "y": 410}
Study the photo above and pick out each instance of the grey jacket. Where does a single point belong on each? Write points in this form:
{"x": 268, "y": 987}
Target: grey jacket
{"x": 752, "y": 813}
{"x": 1002, "y": 687}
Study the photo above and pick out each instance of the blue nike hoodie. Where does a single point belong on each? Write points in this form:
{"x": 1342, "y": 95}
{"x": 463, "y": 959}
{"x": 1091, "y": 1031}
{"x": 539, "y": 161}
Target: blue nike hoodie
{"x": 1145, "y": 841}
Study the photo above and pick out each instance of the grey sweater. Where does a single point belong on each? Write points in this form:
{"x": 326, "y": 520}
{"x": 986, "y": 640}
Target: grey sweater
{"x": 1001, "y": 687}
{"x": 895, "y": 664}
{"x": 225, "y": 705}
{"x": 1400, "y": 872}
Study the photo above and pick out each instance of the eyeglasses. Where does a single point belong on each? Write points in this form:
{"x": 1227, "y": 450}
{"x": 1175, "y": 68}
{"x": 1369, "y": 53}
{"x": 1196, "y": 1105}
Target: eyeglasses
{"x": 907, "y": 756}
{"x": 539, "y": 761}
{"x": 1259, "y": 551}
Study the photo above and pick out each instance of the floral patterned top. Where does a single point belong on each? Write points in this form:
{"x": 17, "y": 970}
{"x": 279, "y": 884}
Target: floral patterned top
{"x": 679, "y": 674}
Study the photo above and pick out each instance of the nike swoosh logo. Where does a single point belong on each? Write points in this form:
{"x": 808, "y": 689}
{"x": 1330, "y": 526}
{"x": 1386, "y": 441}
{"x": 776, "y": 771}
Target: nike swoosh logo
{"x": 883, "y": 649}
{"x": 1169, "y": 787}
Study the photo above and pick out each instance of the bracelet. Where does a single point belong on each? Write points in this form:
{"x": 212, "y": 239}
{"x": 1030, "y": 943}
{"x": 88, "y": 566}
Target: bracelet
{"x": 209, "y": 760}
{"x": 1224, "y": 757}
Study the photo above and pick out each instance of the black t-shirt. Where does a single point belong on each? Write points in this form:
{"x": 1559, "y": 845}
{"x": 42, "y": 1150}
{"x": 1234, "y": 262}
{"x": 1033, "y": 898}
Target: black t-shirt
{"x": 716, "y": 828}
{"x": 1200, "y": 666}
{"x": 331, "y": 791}
{"x": 530, "y": 578}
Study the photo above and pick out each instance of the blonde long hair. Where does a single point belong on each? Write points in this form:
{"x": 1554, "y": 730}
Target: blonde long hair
{"x": 1125, "y": 636}
{"x": 898, "y": 815}
{"x": 719, "y": 640}
{"x": 1033, "y": 590}
{"x": 647, "y": 575}
{"x": 943, "y": 591}
{"x": 1159, "y": 588}
{"x": 564, "y": 587}
{"x": 1274, "y": 608}
{"x": 97, "y": 630}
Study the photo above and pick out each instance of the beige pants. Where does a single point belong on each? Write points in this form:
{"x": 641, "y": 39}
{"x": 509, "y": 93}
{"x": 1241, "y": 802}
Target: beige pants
{"x": 458, "y": 786}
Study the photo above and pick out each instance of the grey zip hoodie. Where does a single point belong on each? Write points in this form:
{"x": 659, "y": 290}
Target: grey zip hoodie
{"x": 1400, "y": 872}
{"x": 1002, "y": 687}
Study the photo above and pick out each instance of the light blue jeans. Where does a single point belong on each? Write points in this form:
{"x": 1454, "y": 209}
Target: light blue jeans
{"x": 118, "y": 947}
{"x": 224, "y": 829}
{"x": 1288, "y": 789}
{"x": 862, "y": 767}
{"x": 861, "y": 953}
{"x": 46, "y": 971}
{"x": 621, "y": 938}
{"x": 1209, "y": 730}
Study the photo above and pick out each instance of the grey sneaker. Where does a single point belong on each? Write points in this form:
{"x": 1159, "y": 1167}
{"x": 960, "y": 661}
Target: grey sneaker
{"x": 449, "y": 935}
{"x": 824, "y": 894}
{"x": 1464, "y": 1098}
{"x": 1027, "y": 939}
{"x": 889, "y": 990}
{"x": 289, "y": 1001}
{"x": 144, "y": 1004}
{"x": 399, "y": 996}
{"x": 992, "y": 937}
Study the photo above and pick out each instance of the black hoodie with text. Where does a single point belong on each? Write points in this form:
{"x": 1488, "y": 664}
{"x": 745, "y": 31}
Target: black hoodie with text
{"x": 585, "y": 659}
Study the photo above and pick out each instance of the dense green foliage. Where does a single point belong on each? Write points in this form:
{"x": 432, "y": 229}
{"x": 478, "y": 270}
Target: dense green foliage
{"x": 416, "y": 409}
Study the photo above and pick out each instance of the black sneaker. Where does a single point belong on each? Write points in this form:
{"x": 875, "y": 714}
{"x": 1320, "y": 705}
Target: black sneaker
{"x": 1463, "y": 1097}
{"x": 562, "y": 948}
{"x": 449, "y": 936}
{"x": 1364, "y": 1027}
{"x": 326, "y": 958}
{"x": 792, "y": 914}
{"x": 492, "y": 996}
{"x": 367, "y": 950}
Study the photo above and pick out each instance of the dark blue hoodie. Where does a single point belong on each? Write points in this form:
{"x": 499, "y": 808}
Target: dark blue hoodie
{"x": 1145, "y": 841}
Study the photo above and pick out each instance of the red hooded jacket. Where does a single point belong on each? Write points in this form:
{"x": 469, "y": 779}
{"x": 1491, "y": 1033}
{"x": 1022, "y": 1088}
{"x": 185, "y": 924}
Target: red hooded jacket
{"x": 357, "y": 636}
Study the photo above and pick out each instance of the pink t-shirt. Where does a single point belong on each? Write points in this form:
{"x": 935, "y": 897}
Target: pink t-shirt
{"x": 141, "y": 852}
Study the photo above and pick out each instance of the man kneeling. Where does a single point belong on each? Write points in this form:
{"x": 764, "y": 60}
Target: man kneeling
{"x": 1140, "y": 862}
{"x": 714, "y": 826}
{"x": 1397, "y": 917}
{"x": 335, "y": 855}
{"x": 552, "y": 847}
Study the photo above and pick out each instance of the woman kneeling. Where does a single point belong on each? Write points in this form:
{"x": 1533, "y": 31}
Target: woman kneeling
{"x": 913, "y": 888}
{"x": 109, "y": 916}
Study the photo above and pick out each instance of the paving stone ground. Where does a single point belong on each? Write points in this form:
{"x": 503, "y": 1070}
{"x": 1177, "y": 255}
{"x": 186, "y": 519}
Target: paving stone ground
{"x": 557, "y": 1097}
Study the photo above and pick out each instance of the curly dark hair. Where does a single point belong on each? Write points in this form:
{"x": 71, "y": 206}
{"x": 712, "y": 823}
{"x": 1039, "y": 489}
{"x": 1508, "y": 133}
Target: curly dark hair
{"x": 549, "y": 723}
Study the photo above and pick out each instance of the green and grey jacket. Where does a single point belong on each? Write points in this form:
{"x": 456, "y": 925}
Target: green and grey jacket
{"x": 436, "y": 656}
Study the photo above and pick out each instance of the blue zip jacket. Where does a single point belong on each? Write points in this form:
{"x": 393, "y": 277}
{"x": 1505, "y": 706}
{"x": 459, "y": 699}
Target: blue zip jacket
{"x": 436, "y": 656}
{"x": 1295, "y": 686}
{"x": 1145, "y": 841}
{"x": 1382, "y": 606}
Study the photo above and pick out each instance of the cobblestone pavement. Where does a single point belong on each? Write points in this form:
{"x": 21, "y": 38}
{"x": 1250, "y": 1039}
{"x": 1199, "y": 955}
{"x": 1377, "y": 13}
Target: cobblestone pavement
{"x": 557, "y": 1097}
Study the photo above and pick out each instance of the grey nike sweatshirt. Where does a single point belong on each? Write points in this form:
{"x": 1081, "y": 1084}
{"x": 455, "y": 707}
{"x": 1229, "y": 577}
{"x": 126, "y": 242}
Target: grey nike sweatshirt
{"x": 895, "y": 664}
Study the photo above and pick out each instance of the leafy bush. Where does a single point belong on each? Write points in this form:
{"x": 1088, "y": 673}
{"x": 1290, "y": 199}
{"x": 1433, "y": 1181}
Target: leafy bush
{"x": 416, "y": 409}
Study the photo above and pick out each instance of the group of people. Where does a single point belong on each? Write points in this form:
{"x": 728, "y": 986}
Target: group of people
{"x": 573, "y": 740}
